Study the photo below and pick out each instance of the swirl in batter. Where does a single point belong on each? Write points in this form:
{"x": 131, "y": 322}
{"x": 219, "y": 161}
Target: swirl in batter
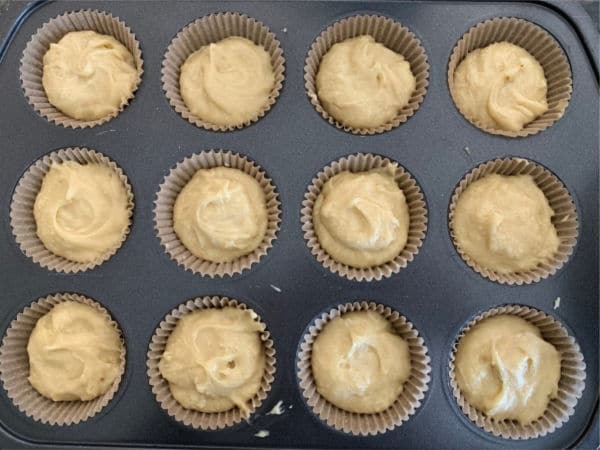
{"x": 214, "y": 360}
{"x": 364, "y": 84}
{"x": 359, "y": 363}
{"x": 220, "y": 214}
{"x": 74, "y": 353}
{"x": 88, "y": 75}
{"x": 227, "y": 83}
{"x": 505, "y": 369}
{"x": 361, "y": 219}
{"x": 81, "y": 211}
{"x": 501, "y": 86}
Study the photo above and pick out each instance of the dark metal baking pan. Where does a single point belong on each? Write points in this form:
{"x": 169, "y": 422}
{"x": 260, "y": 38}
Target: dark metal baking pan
{"x": 437, "y": 291}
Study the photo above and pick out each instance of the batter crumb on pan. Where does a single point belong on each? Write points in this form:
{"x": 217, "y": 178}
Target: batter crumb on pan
{"x": 278, "y": 409}
{"x": 262, "y": 434}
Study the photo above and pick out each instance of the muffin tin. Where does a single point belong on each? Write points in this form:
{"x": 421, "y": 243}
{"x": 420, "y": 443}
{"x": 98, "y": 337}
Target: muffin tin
{"x": 288, "y": 287}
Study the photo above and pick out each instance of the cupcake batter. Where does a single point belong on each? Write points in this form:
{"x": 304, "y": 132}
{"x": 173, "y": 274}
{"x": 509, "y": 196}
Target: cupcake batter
{"x": 505, "y": 369}
{"x": 74, "y": 353}
{"x": 227, "y": 83}
{"x": 361, "y": 219}
{"x": 501, "y": 86}
{"x": 81, "y": 211}
{"x": 503, "y": 223}
{"x": 88, "y": 75}
{"x": 359, "y": 363}
{"x": 364, "y": 84}
{"x": 221, "y": 214}
{"x": 214, "y": 360}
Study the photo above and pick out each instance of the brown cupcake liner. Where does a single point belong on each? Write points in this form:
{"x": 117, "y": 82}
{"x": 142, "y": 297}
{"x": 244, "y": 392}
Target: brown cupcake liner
{"x": 541, "y": 45}
{"x": 564, "y": 219}
{"x": 22, "y": 219}
{"x": 417, "y": 211}
{"x": 160, "y": 386}
{"x": 32, "y": 62}
{"x": 570, "y": 386}
{"x": 211, "y": 29}
{"x": 366, "y": 424}
{"x": 385, "y": 31}
{"x": 176, "y": 180}
{"x": 14, "y": 367}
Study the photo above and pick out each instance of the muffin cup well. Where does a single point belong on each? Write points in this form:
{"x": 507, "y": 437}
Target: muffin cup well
{"x": 385, "y": 31}
{"x": 176, "y": 180}
{"x": 541, "y": 45}
{"x": 22, "y": 219}
{"x": 564, "y": 219}
{"x": 211, "y": 29}
{"x": 366, "y": 424}
{"x": 570, "y": 386}
{"x": 14, "y": 367}
{"x": 32, "y": 62}
{"x": 160, "y": 386}
{"x": 417, "y": 211}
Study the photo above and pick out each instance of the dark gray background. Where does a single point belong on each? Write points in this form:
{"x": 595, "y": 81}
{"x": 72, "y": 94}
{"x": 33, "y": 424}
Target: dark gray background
{"x": 591, "y": 7}
{"x": 437, "y": 291}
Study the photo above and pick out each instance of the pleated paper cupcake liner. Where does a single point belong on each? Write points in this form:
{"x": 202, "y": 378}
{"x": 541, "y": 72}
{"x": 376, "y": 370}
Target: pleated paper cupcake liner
{"x": 22, "y": 219}
{"x": 570, "y": 386}
{"x": 541, "y": 45}
{"x": 14, "y": 367}
{"x": 160, "y": 386}
{"x": 385, "y": 31}
{"x": 417, "y": 211}
{"x": 406, "y": 404}
{"x": 564, "y": 219}
{"x": 32, "y": 62}
{"x": 211, "y": 29}
{"x": 176, "y": 180}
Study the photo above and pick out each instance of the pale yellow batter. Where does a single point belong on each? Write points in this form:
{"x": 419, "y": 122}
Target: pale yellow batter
{"x": 74, "y": 353}
{"x": 501, "y": 86}
{"x": 214, "y": 360}
{"x": 359, "y": 363}
{"x": 364, "y": 84}
{"x": 221, "y": 214}
{"x": 88, "y": 75}
{"x": 503, "y": 223}
{"x": 81, "y": 211}
{"x": 505, "y": 369}
{"x": 361, "y": 219}
{"x": 227, "y": 83}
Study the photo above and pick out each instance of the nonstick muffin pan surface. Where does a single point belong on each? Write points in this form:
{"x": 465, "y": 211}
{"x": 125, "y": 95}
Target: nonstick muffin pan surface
{"x": 437, "y": 291}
